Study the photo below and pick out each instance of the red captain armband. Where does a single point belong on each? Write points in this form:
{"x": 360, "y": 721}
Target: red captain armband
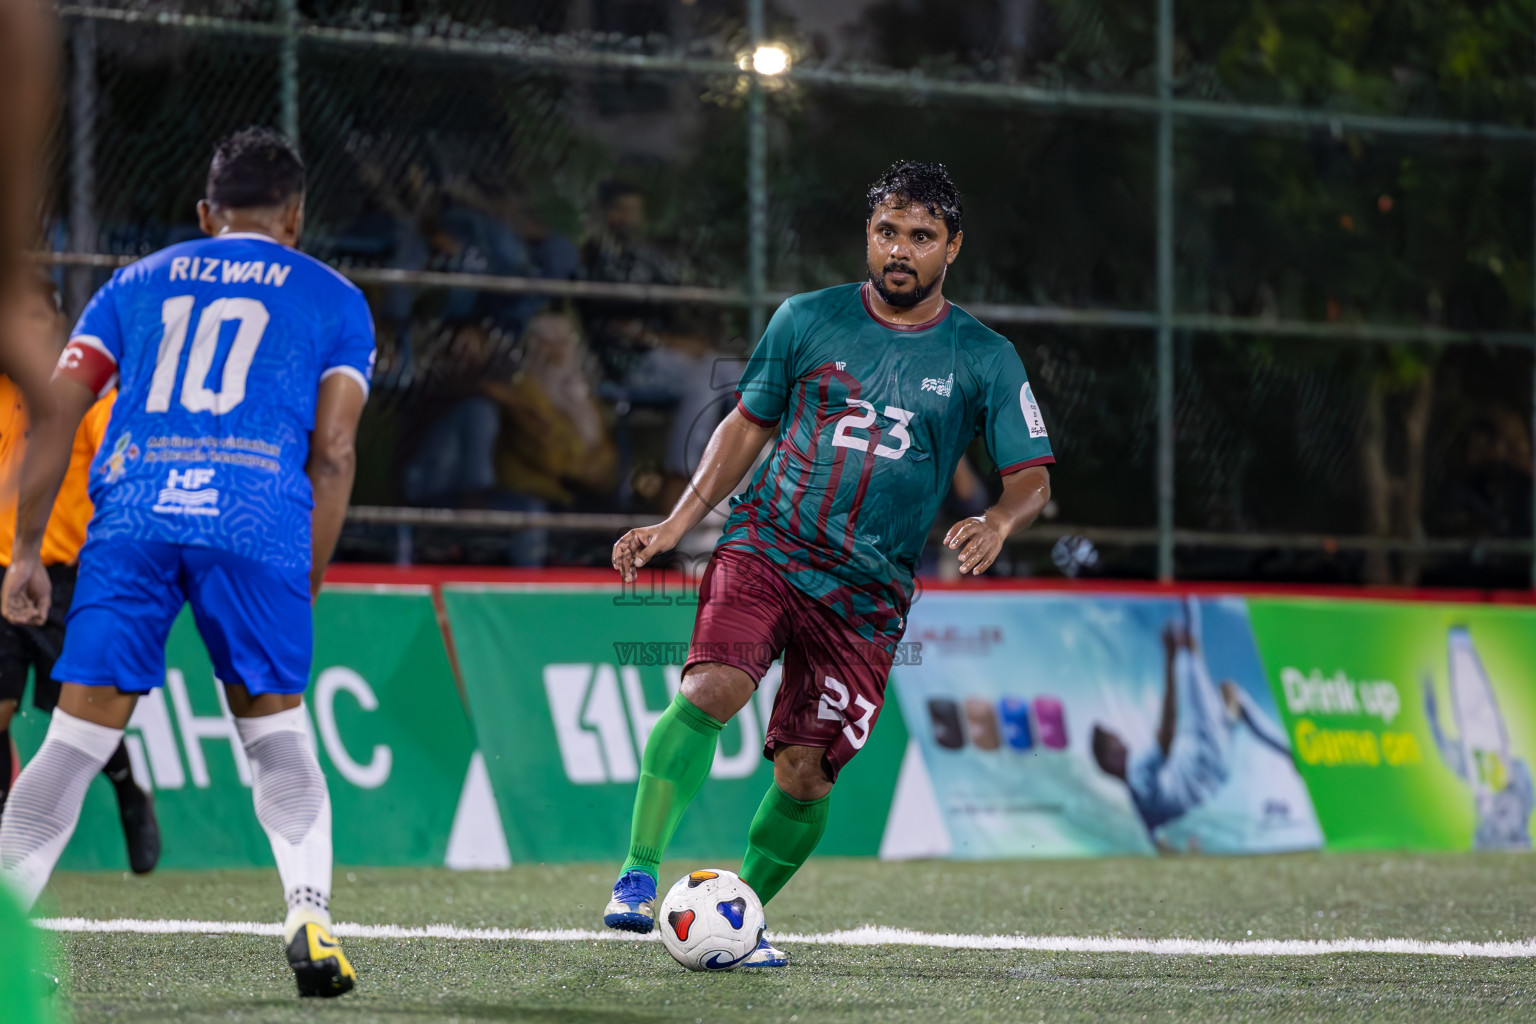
{"x": 87, "y": 360}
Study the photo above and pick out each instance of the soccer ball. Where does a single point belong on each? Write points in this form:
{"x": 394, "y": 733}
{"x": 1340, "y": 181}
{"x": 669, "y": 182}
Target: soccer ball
{"x": 711, "y": 920}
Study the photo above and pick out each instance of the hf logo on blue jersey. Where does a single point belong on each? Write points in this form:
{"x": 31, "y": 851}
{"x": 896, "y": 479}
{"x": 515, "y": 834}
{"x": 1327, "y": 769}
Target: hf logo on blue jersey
{"x": 186, "y": 493}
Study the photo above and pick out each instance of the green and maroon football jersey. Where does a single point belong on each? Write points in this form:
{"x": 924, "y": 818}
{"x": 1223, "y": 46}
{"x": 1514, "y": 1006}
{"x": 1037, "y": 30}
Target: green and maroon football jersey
{"x": 873, "y": 418}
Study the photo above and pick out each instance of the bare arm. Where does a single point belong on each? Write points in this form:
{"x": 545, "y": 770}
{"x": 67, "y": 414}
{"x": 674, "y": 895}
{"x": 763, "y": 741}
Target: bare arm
{"x": 1450, "y": 752}
{"x": 331, "y": 467}
{"x": 27, "y": 57}
{"x": 27, "y": 83}
{"x": 980, "y": 538}
{"x": 1264, "y": 729}
{"x": 1170, "y": 720}
{"x": 26, "y": 593}
{"x": 732, "y": 449}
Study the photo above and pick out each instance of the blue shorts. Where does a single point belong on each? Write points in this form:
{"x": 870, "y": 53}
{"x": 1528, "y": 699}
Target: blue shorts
{"x": 254, "y": 618}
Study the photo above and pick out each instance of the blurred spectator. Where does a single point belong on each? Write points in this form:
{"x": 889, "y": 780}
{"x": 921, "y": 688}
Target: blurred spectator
{"x": 449, "y": 456}
{"x": 554, "y": 438}
{"x": 683, "y": 369}
{"x": 487, "y": 228}
{"x": 389, "y": 230}
{"x": 548, "y": 253}
{"x": 533, "y": 440}
{"x": 460, "y": 225}
{"x": 619, "y": 249}
{"x": 658, "y": 356}
{"x": 554, "y": 448}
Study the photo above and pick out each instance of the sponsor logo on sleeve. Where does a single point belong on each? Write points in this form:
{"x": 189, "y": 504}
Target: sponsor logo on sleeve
{"x": 1032, "y": 417}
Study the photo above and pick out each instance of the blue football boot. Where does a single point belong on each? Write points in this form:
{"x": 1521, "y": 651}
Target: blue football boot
{"x": 766, "y": 955}
{"x": 633, "y": 907}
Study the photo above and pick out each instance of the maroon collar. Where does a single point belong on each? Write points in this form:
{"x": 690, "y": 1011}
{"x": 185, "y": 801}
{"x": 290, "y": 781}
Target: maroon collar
{"x": 883, "y": 322}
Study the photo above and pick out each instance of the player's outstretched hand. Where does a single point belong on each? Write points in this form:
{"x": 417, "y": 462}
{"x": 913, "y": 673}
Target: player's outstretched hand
{"x": 26, "y": 593}
{"x": 640, "y": 545}
{"x": 978, "y": 542}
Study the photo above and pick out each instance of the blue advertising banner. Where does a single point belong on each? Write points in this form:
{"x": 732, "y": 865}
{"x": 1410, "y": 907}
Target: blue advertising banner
{"x": 1057, "y": 726}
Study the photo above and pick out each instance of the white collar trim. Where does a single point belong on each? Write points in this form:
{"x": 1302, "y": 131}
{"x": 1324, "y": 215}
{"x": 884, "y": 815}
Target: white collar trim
{"x": 257, "y": 235}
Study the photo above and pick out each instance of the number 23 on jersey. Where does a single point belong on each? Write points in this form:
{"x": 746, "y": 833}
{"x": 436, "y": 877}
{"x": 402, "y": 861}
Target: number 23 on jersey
{"x": 843, "y": 436}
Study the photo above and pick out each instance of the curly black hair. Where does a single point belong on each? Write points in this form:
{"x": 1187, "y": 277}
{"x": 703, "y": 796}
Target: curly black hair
{"x": 256, "y": 167}
{"x": 912, "y": 181}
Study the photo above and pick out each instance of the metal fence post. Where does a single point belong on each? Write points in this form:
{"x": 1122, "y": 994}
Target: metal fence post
{"x": 288, "y": 69}
{"x": 1165, "y": 300}
{"x": 757, "y": 182}
{"x": 82, "y": 161}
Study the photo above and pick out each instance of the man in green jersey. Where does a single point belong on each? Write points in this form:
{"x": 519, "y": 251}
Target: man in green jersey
{"x": 870, "y": 393}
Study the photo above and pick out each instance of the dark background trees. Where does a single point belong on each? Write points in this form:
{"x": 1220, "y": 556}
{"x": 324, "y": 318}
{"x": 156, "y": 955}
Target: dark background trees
{"x": 1275, "y": 433}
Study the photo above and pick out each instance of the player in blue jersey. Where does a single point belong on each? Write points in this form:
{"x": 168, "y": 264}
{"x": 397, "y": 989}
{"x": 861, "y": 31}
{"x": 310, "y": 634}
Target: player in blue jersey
{"x": 242, "y": 367}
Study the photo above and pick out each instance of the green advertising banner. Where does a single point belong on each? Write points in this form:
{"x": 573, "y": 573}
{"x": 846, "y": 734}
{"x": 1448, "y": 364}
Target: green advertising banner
{"x": 1413, "y": 724}
{"x": 565, "y": 684}
{"x": 1409, "y": 725}
{"x": 390, "y": 731}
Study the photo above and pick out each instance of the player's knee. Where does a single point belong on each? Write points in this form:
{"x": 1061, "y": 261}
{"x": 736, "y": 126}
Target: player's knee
{"x": 243, "y": 705}
{"x": 801, "y": 772}
{"x": 717, "y": 690}
{"x": 99, "y": 705}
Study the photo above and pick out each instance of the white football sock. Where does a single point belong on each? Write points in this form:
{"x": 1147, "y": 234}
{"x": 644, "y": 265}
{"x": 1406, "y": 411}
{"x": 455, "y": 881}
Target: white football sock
{"x": 44, "y": 807}
{"x": 294, "y": 809}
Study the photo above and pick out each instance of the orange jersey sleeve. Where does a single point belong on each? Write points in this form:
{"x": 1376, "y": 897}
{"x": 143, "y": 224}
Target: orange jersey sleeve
{"x": 13, "y": 433}
{"x": 72, "y": 509}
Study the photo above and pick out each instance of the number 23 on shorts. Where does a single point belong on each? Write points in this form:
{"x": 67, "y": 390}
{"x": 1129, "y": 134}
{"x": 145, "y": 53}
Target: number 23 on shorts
{"x": 834, "y": 705}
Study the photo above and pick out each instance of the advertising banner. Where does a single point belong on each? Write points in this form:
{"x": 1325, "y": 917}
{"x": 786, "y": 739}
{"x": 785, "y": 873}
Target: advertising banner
{"x": 1055, "y": 725}
{"x": 1017, "y": 724}
{"x": 1413, "y": 724}
{"x": 565, "y": 685}
{"x": 390, "y": 731}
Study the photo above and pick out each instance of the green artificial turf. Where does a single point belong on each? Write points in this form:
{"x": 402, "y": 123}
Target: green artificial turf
{"x": 1485, "y": 897}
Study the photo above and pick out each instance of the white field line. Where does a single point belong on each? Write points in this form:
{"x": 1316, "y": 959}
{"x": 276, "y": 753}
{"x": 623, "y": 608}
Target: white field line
{"x": 869, "y": 935}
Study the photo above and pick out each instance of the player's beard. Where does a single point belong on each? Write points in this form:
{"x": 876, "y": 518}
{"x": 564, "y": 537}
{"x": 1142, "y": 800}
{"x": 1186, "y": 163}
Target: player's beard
{"x": 902, "y": 300}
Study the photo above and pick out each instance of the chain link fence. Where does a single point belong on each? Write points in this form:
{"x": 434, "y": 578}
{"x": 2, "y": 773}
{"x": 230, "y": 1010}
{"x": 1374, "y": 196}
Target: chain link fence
{"x": 1271, "y": 269}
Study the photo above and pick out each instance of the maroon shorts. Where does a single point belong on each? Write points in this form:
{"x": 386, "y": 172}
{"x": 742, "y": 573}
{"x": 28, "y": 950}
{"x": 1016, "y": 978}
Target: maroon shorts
{"x": 834, "y": 679}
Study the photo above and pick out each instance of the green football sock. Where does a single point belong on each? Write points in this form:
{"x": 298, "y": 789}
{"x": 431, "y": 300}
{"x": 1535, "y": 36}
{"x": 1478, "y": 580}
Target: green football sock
{"x": 783, "y": 834}
{"x": 677, "y": 759}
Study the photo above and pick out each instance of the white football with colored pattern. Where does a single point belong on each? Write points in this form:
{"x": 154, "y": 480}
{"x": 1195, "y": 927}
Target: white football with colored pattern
{"x": 710, "y": 920}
